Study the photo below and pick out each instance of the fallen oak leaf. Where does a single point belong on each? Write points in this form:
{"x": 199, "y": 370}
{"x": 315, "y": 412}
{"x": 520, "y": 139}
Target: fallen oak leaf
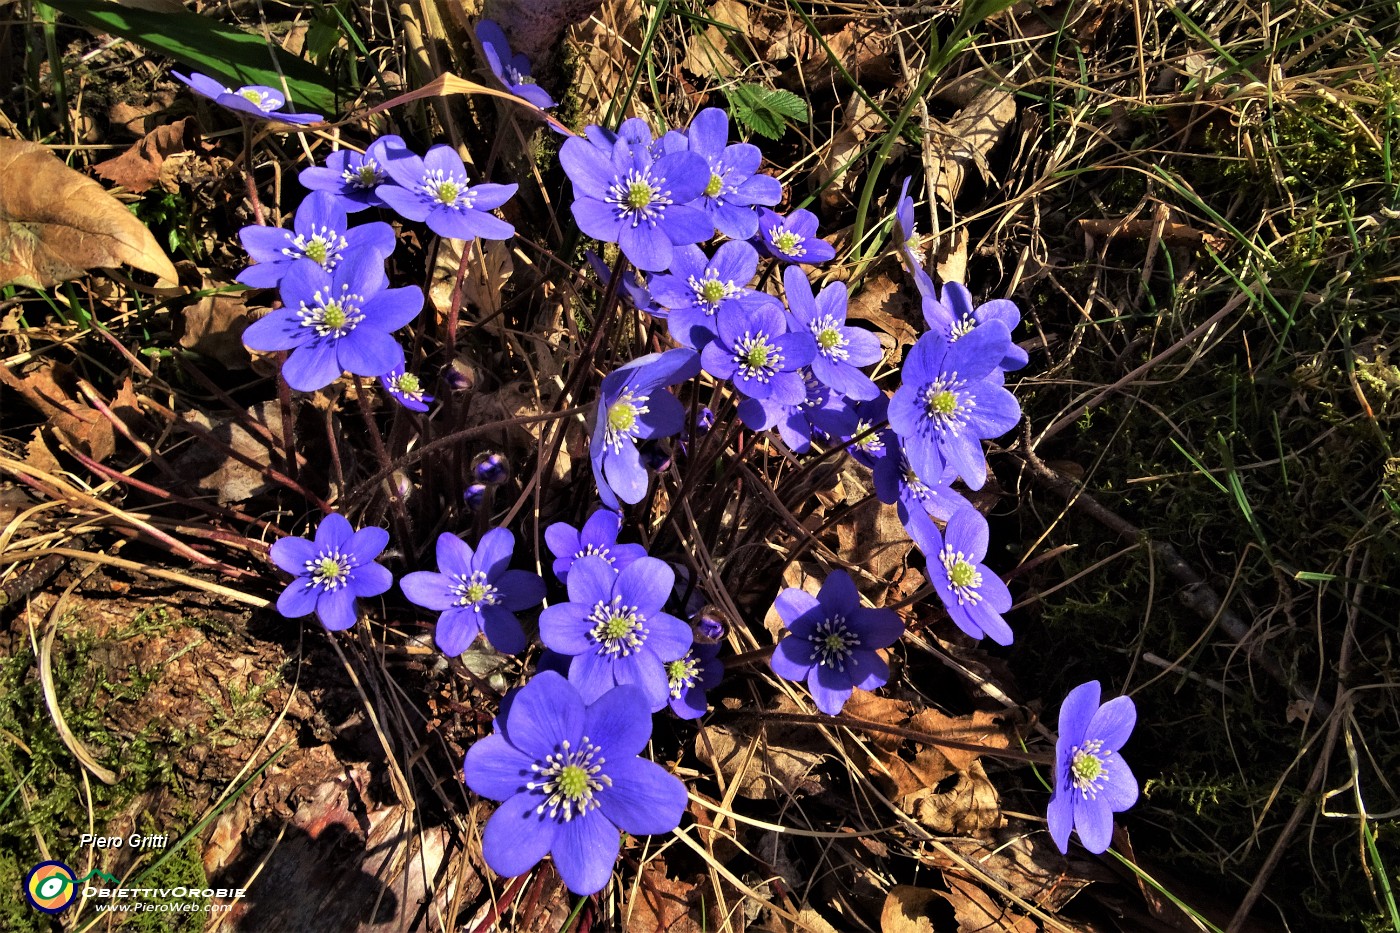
{"x": 56, "y": 224}
{"x": 138, "y": 168}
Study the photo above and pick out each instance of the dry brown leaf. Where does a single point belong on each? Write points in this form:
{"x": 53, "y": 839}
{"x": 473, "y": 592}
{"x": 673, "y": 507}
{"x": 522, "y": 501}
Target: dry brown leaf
{"x": 782, "y": 758}
{"x": 229, "y": 479}
{"x": 608, "y": 44}
{"x": 1022, "y": 859}
{"x": 977, "y": 912}
{"x": 56, "y": 224}
{"x": 706, "y": 54}
{"x": 871, "y": 536}
{"x": 52, "y": 389}
{"x": 139, "y": 167}
{"x": 214, "y": 328}
{"x": 906, "y": 910}
{"x": 489, "y": 267}
{"x": 835, "y": 159}
{"x": 971, "y": 135}
{"x": 969, "y": 808}
{"x": 662, "y": 904}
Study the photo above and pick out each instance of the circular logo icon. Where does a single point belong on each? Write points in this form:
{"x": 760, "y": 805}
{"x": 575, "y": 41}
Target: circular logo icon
{"x": 50, "y": 887}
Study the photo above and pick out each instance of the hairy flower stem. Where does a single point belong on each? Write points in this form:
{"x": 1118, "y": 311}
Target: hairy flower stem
{"x": 386, "y": 465}
{"x": 454, "y": 302}
{"x": 866, "y": 725}
{"x": 247, "y": 158}
{"x": 284, "y": 402}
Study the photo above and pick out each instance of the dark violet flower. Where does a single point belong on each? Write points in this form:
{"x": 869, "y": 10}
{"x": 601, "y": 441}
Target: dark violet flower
{"x": 734, "y": 185}
{"x": 697, "y": 287}
{"x": 635, "y": 406}
{"x": 331, "y": 571}
{"x": 492, "y": 469}
{"x": 795, "y": 423}
{"x": 635, "y": 198}
{"x": 906, "y": 230}
{"x": 434, "y": 189}
{"x": 319, "y": 234}
{"x": 794, "y": 238}
{"x": 475, "y": 496}
{"x": 841, "y": 350}
{"x": 476, "y": 593}
{"x": 614, "y": 626}
{"x": 254, "y": 100}
{"x": 354, "y": 177}
{"x": 860, "y": 425}
{"x": 953, "y": 316}
{"x": 896, "y": 483}
{"x": 832, "y": 641}
{"x": 1092, "y": 781}
{"x": 570, "y": 778}
{"x": 632, "y": 287}
{"x": 406, "y": 389}
{"x": 335, "y": 322}
{"x": 597, "y": 538}
{"x": 513, "y": 70}
{"x": 946, "y": 405}
{"x": 974, "y": 596}
{"x": 691, "y": 677}
{"x": 754, "y": 350}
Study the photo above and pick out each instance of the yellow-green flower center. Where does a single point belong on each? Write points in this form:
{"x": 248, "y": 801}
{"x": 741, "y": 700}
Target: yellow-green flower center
{"x": 333, "y": 315}
{"x": 757, "y": 356}
{"x": 639, "y": 195}
{"x": 447, "y": 192}
{"x": 1086, "y": 767}
{"x": 329, "y": 570}
{"x": 572, "y": 782}
{"x": 318, "y": 249}
{"x": 622, "y": 415}
{"x": 714, "y": 186}
{"x": 617, "y": 630}
{"x": 943, "y": 403}
{"x": 711, "y": 291}
{"x": 617, "y": 627}
{"x": 249, "y": 94}
{"x": 829, "y": 339}
{"x": 368, "y": 175}
{"x": 408, "y": 384}
{"x": 786, "y": 241}
{"x": 962, "y": 574}
{"x": 474, "y": 592}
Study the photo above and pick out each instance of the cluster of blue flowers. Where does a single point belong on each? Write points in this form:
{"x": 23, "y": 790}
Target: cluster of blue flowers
{"x": 564, "y": 757}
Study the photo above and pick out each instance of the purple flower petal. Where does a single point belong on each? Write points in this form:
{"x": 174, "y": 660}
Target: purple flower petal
{"x": 494, "y": 768}
{"x": 644, "y": 799}
{"x": 585, "y": 849}
{"x": 517, "y": 837}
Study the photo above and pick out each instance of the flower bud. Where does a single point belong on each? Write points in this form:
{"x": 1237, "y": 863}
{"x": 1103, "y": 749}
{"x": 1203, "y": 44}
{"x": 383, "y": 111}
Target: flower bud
{"x": 475, "y": 496}
{"x": 493, "y": 470}
{"x": 655, "y": 456}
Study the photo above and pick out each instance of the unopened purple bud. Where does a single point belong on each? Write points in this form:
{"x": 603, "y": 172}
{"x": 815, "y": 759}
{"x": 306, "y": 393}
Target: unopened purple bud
{"x": 704, "y": 422}
{"x": 475, "y": 496}
{"x": 655, "y": 456}
{"x": 493, "y": 470}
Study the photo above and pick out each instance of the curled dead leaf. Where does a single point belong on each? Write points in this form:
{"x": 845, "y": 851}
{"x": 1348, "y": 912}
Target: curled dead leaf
{"x": 56, "y": 224}
{"x": 768, "y": 764}
{"x": 138, "y": 168}
{"x": 978, "y": 912}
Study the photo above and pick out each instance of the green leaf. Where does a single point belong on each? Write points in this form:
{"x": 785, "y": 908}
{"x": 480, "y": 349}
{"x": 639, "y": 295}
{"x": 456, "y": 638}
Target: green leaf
{"x": 208, "y": 46}
{"x": 765, "y": 111}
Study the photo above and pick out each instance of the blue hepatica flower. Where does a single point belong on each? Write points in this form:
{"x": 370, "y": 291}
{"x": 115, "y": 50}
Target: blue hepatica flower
{"x": 947, "y": 404}
{"x": 597, "y": 538}
{"x": 614, "y": 627}
{"x": 406, "y": 389}
{"x": 570, "y": 778}
{"x": 735, "y": 185}
{"x": 756, "y": 352}
{"x": 906, "y": 230}
{"x": 974, "y": 596}
{"x": 691, "y": 677}
{"x": 636, "y": 198}
{"x": 796, "y": 424}
{"x": 434, "y": 189}
{"x": 476, "y": 593}
{"x": 513, "y": 70}
{"x": 1092, "y": 782}
{"x": 336, "y": 322}
{"x": 841, "y": 350}
{"x": 635, "y": 406}
{"x": 331, "y": 571}
{"x": 354, "y": 177}
{"x": 953, "y": 315}
{"x": 794, "y": 238}
{"x": 632, "y": 287}
{"x": 832, "y": 641}
{"x": 859, "y": 424}
{"x": 697, "y": 287}
{"x": 897, "y": 483}
{"x": 320, "y": 234}
{"x": 254, "y": 100}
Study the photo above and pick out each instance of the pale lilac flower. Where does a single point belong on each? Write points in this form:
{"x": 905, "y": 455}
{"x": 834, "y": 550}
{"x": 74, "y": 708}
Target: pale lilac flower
{"x": 331, "y": 571}
{"x": 1092, "y": 781}
{"x": 353, "y": 178}
{"x": 597, "y": 538}
{"x": 974, "y": 596}
{"x": 635, "y": 406}
{"x": 735, "y": 186}
{"x": 320, "y": 234}
{"x": 792, "y": 238}
{"x": 254, "y": 100}
{"x": 512, "y": 69}
{"x": 434, "y": 189}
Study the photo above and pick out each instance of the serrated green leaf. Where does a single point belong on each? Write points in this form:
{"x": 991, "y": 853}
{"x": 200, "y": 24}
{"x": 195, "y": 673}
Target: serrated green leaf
{"x": 765, "y": 111}
{"x": 208, "y": 46}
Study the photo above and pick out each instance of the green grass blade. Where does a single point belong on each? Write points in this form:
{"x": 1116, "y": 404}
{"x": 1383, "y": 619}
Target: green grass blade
{"x": 208, "y": 46}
